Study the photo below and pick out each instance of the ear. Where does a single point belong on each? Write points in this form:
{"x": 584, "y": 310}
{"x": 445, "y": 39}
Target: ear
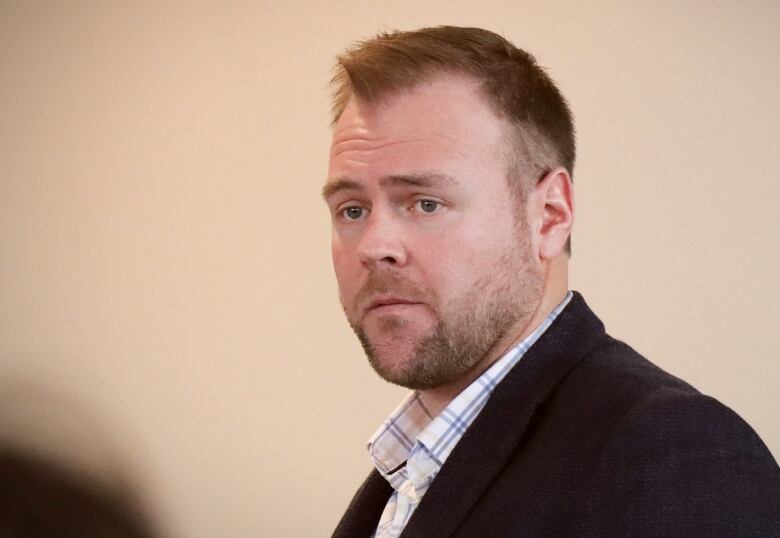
{"x": 554, "y": 197}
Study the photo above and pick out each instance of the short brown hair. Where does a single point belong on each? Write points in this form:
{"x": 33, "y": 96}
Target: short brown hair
{"x": 513, "y": 84}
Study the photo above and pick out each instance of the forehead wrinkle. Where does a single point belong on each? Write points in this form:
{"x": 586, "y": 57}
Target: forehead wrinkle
{"x": 425, "y": 179}
{"x": 368, "y": 138}
{"x": 368, "y": 144}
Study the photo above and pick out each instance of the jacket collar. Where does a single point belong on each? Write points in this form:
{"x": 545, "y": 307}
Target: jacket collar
{"x": 498, "y": 431}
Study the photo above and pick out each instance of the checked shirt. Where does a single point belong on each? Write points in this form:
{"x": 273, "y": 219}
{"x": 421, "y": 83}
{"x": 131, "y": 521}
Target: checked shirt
{"x": 410, "y": 448}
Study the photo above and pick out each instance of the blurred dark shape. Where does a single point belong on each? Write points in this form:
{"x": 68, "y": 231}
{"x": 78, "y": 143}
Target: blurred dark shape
{"x": 39, "y": 499}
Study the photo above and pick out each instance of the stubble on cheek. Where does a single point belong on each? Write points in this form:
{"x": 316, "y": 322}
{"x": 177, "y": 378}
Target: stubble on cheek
{"x": 462, "y": 336}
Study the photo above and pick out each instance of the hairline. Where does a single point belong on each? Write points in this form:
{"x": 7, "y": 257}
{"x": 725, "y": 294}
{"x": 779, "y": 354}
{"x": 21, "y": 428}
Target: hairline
{"x": 523, "y": 143}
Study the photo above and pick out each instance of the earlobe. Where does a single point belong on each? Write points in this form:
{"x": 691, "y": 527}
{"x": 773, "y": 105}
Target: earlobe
{"x": 556, "y": 194}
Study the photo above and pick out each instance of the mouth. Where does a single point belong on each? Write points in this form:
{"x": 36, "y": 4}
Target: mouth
{"x": 389, "y": 303}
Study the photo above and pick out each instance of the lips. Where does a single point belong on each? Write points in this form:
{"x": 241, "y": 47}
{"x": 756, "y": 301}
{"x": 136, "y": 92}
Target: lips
{"x": 387, "y": 301}
{"x": 388, "y": 291}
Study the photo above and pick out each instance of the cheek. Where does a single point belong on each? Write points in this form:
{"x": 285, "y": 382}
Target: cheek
{"x": 466, "y": 245}
{"x": 453, "y": 261}
{"x": 469, "y": 256}
{"x": 347, "y": 269}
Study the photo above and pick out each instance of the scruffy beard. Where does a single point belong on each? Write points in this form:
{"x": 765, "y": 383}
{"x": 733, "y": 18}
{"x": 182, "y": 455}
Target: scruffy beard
{"x": 467, "y": 330}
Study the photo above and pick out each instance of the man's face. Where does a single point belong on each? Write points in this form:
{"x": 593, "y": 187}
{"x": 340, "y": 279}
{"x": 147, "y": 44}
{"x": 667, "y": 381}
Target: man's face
{"x": 431, "y": 253}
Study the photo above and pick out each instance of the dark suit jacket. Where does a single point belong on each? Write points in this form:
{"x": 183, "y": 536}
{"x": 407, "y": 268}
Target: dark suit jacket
{"x": 584, "y": 437}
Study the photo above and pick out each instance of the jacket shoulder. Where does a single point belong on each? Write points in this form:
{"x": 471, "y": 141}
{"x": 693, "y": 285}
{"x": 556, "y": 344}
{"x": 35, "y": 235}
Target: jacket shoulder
{"x": 674, "y": 460}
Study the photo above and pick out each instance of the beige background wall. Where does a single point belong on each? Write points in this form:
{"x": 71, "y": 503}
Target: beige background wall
{"x": 164, "y": 254}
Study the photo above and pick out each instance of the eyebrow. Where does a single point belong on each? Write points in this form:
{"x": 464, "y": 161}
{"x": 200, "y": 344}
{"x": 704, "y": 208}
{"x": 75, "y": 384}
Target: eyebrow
{"x": 332, "y": 187}
{"x": 414, "y": 180}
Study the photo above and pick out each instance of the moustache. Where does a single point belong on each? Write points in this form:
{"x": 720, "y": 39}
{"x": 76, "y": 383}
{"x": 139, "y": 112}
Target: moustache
{"x": 390, "y": 282}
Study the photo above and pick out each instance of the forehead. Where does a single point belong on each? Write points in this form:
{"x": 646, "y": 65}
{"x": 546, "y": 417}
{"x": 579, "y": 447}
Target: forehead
{"x": 438, "y": 123}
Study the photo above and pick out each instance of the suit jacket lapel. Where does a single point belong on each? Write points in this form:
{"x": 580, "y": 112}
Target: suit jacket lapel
{"x": 362, "y": 515}
{"x": 499, "y": 429}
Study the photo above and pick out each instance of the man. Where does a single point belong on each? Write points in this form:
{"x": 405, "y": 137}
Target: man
{"x": 450, "y": 192}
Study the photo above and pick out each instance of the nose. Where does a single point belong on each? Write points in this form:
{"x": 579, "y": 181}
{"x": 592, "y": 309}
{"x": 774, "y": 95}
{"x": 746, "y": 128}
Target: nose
{"x": 382, "y": 242}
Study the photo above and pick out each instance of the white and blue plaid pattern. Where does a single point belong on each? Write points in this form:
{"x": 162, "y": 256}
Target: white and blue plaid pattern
{"x": 411, "y": 446}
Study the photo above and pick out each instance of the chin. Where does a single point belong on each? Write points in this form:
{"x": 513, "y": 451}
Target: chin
{"x": 391, "y": 361}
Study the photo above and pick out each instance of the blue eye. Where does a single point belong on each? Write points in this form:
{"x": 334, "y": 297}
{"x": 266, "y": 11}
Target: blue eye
{"x": 352, "y": 213}
{"x": 427, "y": 206}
